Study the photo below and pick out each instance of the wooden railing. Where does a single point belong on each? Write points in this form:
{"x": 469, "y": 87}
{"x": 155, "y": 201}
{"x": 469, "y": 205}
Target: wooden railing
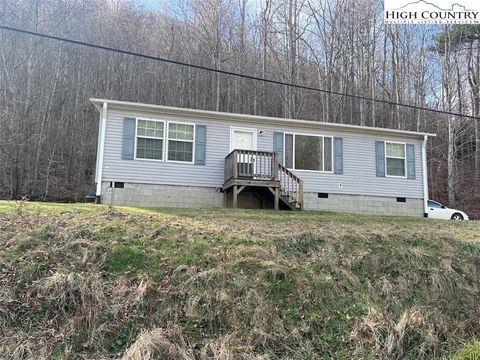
{"x": 291, "y": 186}
{"x": 261, "y": 165}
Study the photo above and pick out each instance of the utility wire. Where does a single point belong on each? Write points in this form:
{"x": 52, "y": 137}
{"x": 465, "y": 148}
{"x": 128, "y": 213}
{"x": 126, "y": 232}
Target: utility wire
{"x": 244, "y": 76}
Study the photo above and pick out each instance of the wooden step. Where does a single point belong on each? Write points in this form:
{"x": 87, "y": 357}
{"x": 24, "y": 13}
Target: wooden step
{"x": 293, "y": 205}
{"x": 291, "y": 188}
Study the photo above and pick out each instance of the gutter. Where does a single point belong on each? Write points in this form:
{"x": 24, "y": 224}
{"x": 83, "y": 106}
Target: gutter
{"x": 425, "y": 176}
{"x": 100, "y": 152}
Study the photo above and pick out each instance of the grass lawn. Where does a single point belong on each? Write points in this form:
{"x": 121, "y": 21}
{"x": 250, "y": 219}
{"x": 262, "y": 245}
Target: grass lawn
{"x": 80, "y": 282}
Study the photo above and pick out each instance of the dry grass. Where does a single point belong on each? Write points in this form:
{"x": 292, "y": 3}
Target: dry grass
{"x": 159, "y": 343}
{"x": 79, "y": 282}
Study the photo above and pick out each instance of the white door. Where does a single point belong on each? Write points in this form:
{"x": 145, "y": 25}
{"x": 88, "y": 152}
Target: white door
{"x": 243, "y": 139}
{"x": 437, "y": 211}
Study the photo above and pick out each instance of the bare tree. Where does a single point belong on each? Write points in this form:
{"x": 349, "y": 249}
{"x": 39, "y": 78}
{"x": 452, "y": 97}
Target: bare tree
{"x": 48, "y": 128}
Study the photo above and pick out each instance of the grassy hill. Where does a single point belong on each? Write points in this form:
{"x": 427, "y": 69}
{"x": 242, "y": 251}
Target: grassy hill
{"x": 78, "y": 282}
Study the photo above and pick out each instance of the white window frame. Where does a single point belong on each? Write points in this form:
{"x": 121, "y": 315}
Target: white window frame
{"x": 168, "y": 139}
{"x": 323, "y": 152}
{"x": 235, "y": 128}
{"x": 149, "y": 137}
{"x": 396, "y": 157}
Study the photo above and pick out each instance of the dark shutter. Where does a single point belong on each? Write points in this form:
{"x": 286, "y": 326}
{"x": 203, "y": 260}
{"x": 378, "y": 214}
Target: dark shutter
{"x": 380, "y": 157}
{"x": 338, "y": 155}
{"x": 128, "y": 141}
{"x": 200, "y": 144}
{"x": 411, "y": 161}
{"x": 278, "y": 145}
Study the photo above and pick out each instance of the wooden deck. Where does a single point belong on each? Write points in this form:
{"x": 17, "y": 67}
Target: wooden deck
{"x": 260, "y": 169}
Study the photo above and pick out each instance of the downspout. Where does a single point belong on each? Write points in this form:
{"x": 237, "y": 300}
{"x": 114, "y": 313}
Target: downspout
{"x": 425, "y": 176}
{"x": 101, "y": 147}
{"x": 99, "y": 137}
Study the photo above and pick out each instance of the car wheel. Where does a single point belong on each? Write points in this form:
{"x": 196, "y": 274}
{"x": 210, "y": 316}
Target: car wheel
{"x": 457, "y": 216}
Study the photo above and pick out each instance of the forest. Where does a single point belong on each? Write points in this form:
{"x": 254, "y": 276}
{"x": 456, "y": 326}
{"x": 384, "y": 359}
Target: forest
{"x": 48, "y": 127}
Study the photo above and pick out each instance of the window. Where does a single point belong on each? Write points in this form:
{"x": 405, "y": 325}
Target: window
{"x": 180, "y": 142}
{"x": 434, "y": 204}
{"x": 401, "y": 199}
{"x": 308, "y": 152}
{"x": 150, "y": 134}
{"x": 289, "y": 151}
{"x": 395, "y": 159}
{"x": 327, "y": 154}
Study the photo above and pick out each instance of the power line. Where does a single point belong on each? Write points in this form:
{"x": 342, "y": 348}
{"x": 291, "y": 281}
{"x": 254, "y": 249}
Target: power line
{"x": 244, "y": 76}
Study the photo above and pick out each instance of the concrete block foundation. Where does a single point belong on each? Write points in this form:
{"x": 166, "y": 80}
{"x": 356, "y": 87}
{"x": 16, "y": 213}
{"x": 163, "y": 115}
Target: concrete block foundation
{"x": 381, "y": 205}
{"x": 154, "y": 195}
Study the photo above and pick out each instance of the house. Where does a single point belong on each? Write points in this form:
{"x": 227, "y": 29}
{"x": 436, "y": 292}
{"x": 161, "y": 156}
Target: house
{"x": 158, "y": 156}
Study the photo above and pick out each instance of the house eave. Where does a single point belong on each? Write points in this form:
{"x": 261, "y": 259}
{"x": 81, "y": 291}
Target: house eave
{"x": 215, "y": 115}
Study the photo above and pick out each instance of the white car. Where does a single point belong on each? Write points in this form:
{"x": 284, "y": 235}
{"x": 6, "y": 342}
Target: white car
{"x": 439, "y": 211}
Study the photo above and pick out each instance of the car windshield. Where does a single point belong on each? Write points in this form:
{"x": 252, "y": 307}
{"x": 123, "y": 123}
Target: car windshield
{"x": 434, "y": 204}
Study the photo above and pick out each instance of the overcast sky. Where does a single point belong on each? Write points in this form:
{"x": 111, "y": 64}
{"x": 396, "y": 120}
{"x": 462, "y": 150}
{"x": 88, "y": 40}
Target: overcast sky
{"x": 151, "y": 4}
{"x": 158, "y": 4}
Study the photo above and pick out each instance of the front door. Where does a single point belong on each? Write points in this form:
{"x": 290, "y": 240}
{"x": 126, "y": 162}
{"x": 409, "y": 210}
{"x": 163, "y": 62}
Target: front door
{"x": 244, "y": 139}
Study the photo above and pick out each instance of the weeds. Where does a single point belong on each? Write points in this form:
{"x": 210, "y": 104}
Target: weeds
{"x": 470, "y": 351}
{"x": 159, "y": 343}
{"x": 80, "y": 282}
{"x": 125, "y": 259}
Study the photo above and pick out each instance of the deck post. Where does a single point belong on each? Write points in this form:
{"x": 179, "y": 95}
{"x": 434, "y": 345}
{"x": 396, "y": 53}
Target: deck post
{"x": 277, "y": 200}
{"x": 235, "y": 164}
{"x": 300, "y": 195}
{"x": 235, "y": 196}
{"x": 245, "y": 169}
{"x": 274, "y": 166}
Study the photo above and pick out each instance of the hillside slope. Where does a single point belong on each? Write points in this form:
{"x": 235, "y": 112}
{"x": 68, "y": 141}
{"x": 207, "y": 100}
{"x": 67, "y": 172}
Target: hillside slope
{"x": 79, "y": 282}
